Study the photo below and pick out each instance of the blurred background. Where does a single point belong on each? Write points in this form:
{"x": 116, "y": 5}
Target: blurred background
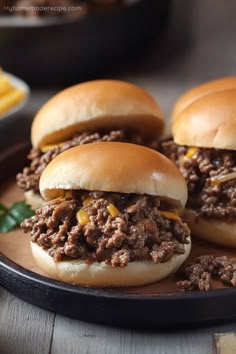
{"x": 165, "y": 46}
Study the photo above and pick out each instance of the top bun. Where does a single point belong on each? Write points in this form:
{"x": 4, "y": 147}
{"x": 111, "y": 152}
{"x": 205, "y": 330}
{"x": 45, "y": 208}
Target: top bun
{"x": 198, "y": 92}
{"x": 113, "y": 167}
{"x": 206, "y": 116}
{"x": 96, "y": 104}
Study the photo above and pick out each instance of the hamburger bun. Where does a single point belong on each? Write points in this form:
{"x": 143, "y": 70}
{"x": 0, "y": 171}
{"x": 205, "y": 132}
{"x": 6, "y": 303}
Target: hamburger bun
{"x": 209, "y": 122}
{"x": 212, "y": 230}
{"x": 103, "y": 275}
{"x": 100, "y": 104}
{"x": 33, "y": 199}
{"x": 113, "y": 167}
{"x": 205, "y": 117}
{"x": 200, "y": 91}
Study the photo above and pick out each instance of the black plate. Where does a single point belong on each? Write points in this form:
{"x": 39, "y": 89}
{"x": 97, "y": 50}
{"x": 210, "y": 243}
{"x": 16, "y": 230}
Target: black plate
{"x": 114, "y": 307}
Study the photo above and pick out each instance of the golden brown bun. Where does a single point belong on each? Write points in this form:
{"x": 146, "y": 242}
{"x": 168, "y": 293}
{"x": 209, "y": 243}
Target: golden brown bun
{"x": 113, "y": 167}
{"x": 213, "y": 230}
{"x": 198, "y": 92}
{"x": 96, "y": 104}
{"x": 103, "y": 275}
{"x": 33, "y": 199}
{"x": 208, "y": 122}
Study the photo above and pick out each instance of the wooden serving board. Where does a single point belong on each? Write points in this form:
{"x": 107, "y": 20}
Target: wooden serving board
{"x": 159, "y": 304}
{"x": 16, "y": 246}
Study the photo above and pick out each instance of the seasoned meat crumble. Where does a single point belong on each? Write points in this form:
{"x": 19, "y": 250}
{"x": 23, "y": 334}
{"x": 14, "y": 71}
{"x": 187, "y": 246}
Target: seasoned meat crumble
{"x": 29, "y": 178}
{"x": 113, "y": 227}
{"x": 207, "y": 195}
{"x": 205, "y": 268}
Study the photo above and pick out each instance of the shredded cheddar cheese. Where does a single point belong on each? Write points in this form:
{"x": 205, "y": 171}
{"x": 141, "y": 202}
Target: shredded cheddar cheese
{"x": 174, "y": 216}
{"x": 47, "y": 148}
{"x": 113, "y": 210}
{"x": 191, "y": 152}
{"x": 170, "y": 215}
{"x": 87, "y": 201}
{"x": 82, "y": 217}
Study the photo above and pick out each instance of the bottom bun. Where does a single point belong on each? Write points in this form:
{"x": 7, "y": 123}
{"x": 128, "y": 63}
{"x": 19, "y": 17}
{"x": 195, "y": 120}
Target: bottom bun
{"x": 212, "y": 230}
{"x": 103, "y": 275}
{"x": 33, "y": 199}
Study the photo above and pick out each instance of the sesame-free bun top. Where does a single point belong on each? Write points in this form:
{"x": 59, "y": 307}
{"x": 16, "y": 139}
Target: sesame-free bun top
{"x": 99, "y": 104}
{"x": 198, "y": 92}
{"x": 209, "y": 120}
{"x": 113, "y": 167}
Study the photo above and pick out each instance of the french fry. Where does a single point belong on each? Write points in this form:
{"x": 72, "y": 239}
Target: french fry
{"x": 5, "y": 86}
{"x": 11, "y": 99}
{"x": 9, "y": 95}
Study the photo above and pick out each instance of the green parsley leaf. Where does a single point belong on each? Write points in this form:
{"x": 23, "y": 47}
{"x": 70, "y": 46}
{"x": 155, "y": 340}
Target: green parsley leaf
{"x": 13, "y": 216}
{"x": 20, "y": 211}
{"x": 2, "y": 208}
{"x": 7, "y": 222}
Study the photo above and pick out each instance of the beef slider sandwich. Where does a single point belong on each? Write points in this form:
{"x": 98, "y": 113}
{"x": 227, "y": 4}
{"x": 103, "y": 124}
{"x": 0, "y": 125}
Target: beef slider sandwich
{"x": 103, "y": 110}
{"x": 111, "y": 216}
{"x": 204, "y": 148}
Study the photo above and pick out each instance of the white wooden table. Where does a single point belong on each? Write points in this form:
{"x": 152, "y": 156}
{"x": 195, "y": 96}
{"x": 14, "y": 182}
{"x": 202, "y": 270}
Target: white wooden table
{"x": 25, "y": 329}
{"x": 29, "y": 330}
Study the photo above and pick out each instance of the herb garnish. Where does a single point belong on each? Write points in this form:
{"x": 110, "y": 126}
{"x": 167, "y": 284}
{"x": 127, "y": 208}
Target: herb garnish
{"x": 13, "y": 216}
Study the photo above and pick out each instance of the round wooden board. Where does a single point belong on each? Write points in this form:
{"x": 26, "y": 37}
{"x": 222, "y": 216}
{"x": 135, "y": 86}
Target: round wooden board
{"x": 159, "y": 304}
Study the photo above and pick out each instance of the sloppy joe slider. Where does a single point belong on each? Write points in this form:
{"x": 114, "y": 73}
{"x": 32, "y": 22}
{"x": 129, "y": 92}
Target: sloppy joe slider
{"x": 204, "y": 148}
{"x": 111, "y": 216}
{"x": 95, "y": 111}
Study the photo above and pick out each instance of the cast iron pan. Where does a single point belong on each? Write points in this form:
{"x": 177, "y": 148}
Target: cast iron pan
{"x": 68, "y": 51}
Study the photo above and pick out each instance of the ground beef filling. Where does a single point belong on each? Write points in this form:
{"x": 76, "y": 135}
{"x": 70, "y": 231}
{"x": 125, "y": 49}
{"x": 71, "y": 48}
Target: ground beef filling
{"x": 137, "y": 232}
{"x": 29, "y": 178}
{"x": 206, "y": 197}
{"x": 206, "y": 268}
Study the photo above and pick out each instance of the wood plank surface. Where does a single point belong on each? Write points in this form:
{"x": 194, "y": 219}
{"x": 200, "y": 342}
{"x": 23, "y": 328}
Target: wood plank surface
{"x": 24, "y": 329}
{"x": 85, "y": 338}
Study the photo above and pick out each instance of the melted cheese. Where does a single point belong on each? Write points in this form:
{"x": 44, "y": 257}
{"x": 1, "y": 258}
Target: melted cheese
{"x": 47, "y": 148}
{"x": 191, "y": 152}
{"x": 170, "y": 215}
{"x": 87, "y": 201}
{"x": 174, "y": 216}
{"x": 113, "y": 210}
{"x": 82, "y": 217}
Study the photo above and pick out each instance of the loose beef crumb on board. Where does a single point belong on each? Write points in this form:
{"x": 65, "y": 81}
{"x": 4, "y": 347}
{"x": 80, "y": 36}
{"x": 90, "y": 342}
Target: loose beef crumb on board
{"x": 204, "y": 269}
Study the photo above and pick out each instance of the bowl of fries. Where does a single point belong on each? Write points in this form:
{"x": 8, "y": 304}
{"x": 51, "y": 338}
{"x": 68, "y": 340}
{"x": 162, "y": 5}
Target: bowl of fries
{"x": 13, "y": 94}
